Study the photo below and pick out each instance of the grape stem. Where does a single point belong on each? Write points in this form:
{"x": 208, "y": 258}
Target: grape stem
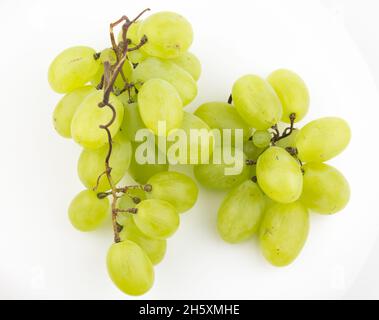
{"x": 287, "y": 131}
{"x": 230, "y": 99}
{"x": 107, "y": 81}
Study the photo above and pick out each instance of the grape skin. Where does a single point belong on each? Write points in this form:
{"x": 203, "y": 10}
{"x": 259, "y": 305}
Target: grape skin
{"x": 72, "y": 69}
{"x": 240, "y": 213}
{"x": 190, "y": 63}
{"x": 132, "y": 121}
{"x": 279, "y": 175}
{"x": 262, "y": 138}
{"x": 175, "y": 188}
{"x": 325, "y": 190}
{"x": 87, "y": 212}
{"x": 130, "y": 268}
{"x": 169, "y": 35}
{"x": 283, "y": 232}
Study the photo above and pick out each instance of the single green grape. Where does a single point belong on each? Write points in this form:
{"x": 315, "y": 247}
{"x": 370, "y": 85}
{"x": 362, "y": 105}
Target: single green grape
{"x": 85, "y": 126}
{"x": 190, "y": 63}
{"x": 213, "y": 175}
{"x": 221, "y": 115}
{"x": 283, "y": 232}
{"x": 279, "y": 175}
{"x": 130, "y": 268}
{"x": 108, "y": 55}
{"x": 132, "y": 121}
{"x": 240, "y": 212}
{"x": 87, "y": 212}
{"x": 325, "y": 189}
{"x": 66, "y": 108}
{"x": 176, "y": 188}
{"x": 91, "y": 164}
{"x": 72, "y": 69}
{"x": 322, "y": 139}
{"x": 262, "y": 138}
{"x": 159, "y": 101}
{"x": 168, "y": 34}
{"x": 157, "y": 219}
{"x": 292, "y": 92}
{"x": 154, "y": 248}
{"x": 289, "y": 141}
{"x": 154, "y": 68}
{"x": 199, "y": 145}
{"x": 256, "y": 102}
{"x": 137, "y": 56}
{"x": 141, "y": 173}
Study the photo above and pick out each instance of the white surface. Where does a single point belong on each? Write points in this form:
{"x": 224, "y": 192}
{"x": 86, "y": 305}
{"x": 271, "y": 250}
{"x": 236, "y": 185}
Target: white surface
{"x": 43, "y": 257}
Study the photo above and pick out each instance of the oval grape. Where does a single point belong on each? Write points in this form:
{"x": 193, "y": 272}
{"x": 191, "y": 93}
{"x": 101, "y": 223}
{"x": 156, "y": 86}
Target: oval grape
{"x": 190, "y": 63}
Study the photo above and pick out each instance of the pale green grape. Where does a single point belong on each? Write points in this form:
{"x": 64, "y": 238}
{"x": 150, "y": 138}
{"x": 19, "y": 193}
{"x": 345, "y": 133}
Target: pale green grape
{"x": 108, "y": 55}
{"x": 262, "y": 138}
{"x": 240, "y": 212}
{"x": 66, "y": 108}
{"x": 176, "y": 188}
{"x": 132, "y": 120}
{"x": 256, "y": 102}
{"x": 132, "y": 33}
{"x": 168, "y": 34}
{"x": 190, "y": 63}
{"x": 87, "y": 212}
{"x": 279, "y": 175}
{"x": 130, "y": 268}
{"x": 283, "y": 232}
{"x": 154, "y": 68}
{"x": 199, "y": 148}
{"x": 213, "y": 175}
{"x": 221, "y": 115}
{"x": 251, "y": 150}
{"x": 154, "y": 248}
{"x": 85, "y": 126}
{"x": 325, "y": 189}
{"x": 289, "y": 141}
{"x": 72, "y": 69}
{"x": 322, "y": 139}
{"x": 159, "y": 101}
{"x": 141, "y": 173}
{"x": 91, "y": 164}
{"x": 137, "y": 56}
{"x": 156, "y": 218}
{"x": 292, "y": 92}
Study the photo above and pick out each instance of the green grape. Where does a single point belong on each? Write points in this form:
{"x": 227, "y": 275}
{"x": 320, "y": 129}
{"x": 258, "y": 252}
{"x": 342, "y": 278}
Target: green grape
{"x": 154, "y": 68}
{"x": 132, "y": 33}
{"x": 221, "y": 115}
{"x": 256, "y": 102}
{"x": 72, "y": 69}
{"x": 289, "y": 141}
{"x": 141, "y": 173}
{"x": 157, "y": 219}
{"x": 251, "y": 150}
{"x": 279, "y": 175}
{"x": 292, "y": 92}
{"x": 159, "y": 101}
{"x": 322, "y": 139}
{"x": 176, "y": 188}
{"x": 87, "y": 212}
{"x": 91, "y": 164}
{"x": 154, "y": 248}
{"x": 190, "y": 63}
{"x": 213, "y": 175}
{"x": 85, "y": 126}
{"x": 108, "y": 55}
{"x": 262, "y": 138}
{"x": 137, "y": 56}
{"x": 132, "y": 120}
{"x": 325, "y": 189}
{"x": 199, "y": 148}
{"x": 130, "y": 268}
{"x": 283, "y": 232}
{"x": 66, "y": 108}
{"x": 240, "y": 212}
{"x": 168, "y": 34}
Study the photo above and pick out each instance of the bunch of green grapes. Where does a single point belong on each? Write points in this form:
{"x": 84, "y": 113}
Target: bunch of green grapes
{"x": 284, "y": 176}
{"x": 147, "y": 76}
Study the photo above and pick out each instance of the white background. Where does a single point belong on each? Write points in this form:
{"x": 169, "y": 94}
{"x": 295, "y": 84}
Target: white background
{"x": 41, "y": 256}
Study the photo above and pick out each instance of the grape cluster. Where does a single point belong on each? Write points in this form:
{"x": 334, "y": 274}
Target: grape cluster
{"x": 284, "y": 176}
{"x": 147, "y": 76}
